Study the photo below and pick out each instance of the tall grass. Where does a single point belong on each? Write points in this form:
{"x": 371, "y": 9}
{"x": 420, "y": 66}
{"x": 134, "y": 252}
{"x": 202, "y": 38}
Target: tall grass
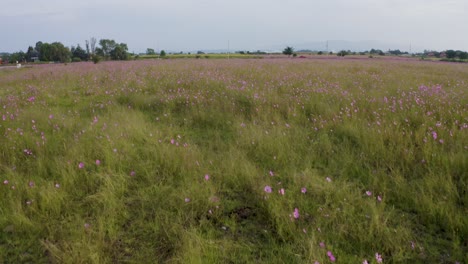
{"x": 173, "y": 161}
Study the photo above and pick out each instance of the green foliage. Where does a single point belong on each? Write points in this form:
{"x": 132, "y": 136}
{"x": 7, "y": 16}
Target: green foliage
{"x": 53, "y": 52}
{"x": 162, "y": 53}
{"x": 463, "y": 55}
{"x": 15, "y": 57}
{"x": 79, "y": 52}
{"x": 150, "y": 51}
{"x": 119, "y": 52}
{"x": 342, "y": 53}
{"x": 96, "y": 58}
{"x": 107, "y": 45}
{"x": 288, "y": 51}
{"x": 31, "y": 53}
{"x": 451, "y": 54}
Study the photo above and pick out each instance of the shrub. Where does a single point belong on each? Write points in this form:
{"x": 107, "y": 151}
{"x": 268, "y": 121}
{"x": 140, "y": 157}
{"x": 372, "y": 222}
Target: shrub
{"x": 95, "y": 58}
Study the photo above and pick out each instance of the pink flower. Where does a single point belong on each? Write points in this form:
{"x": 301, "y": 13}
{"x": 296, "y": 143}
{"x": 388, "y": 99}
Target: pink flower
{"x": 57, "y": 185}
{"x": 207, "y": 177}
{"x": 272, "y": 173}
{"x": 81, "y": 165}
{"x": 379, "y": 198}
{"x": 51, "y": 116}
{"x": 267, "y": 189}
{"x": 31, "y": 184}
{"x": 434, "y": 135}
{"x": 31, "y": 99}
{"x": 296, "y": 213}
{"x": 378, "y": 258}
{"x": 132, "y": 173}
{"x": 187, "y": 200}
{"x": 172, "y": 141}
{"x": 322, "y": 244}
{"x": 365, "y": 262}
{"x": 5, "y": 182}
{"x": 86, "y": 225}
{"x": 281, "y": 191}
{"x": 98, "y": 162}
{"x": 303, "y": 190}
{"x": 329, "y": 179}
{"x": 368, "y": 193}
{"x": 330, "y": 255}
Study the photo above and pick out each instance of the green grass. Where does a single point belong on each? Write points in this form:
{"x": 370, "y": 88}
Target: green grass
{"x": 335, "y": 127}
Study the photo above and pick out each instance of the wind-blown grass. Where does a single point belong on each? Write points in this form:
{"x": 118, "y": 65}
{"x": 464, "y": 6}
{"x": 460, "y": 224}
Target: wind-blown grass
{"x": 217, "y": 161}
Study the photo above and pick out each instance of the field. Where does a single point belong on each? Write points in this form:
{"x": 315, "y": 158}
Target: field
{"x": 234, "y": 161}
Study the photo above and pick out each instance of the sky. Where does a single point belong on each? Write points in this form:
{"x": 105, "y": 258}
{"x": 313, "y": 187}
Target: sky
{"x": 190, "y": 25}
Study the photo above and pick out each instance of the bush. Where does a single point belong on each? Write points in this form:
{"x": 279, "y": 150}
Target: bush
{"x": 76, "y": 59}
{"x": 342, "y": 53}
{"x": 95, "y": 58}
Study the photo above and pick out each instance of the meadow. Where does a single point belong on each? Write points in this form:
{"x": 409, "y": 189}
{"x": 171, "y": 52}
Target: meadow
{"x": 234, "y": 161}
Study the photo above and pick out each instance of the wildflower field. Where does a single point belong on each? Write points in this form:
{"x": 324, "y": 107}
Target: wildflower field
{"x": 234, "y": 161}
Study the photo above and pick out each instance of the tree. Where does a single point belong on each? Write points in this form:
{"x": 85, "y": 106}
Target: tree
{"x": 162, "y": 53}
{"x": 79, "y": 53}
{"x": 31, "y": 53}
{"x": 45, "y": 52}
{"x": 87, "y": 47}
{"x": 93, "y": 45}
{"x": 150, "y": 51}
{"x": 107, "y": 45}
{"x": 60, "y": 52}
{"x": 54, "y": 52}
{"x": 38, "y": 47}
{"x": 342, "y": 53}
{"x": 17, "y": 57}
{"x": 119, "y": 52}
{"x": 450, "y": 54}
{"x": 463, "y": 55}
{"x": 288, "y": 51}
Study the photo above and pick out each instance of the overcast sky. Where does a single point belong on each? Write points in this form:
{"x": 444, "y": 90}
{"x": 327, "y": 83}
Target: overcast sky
{"x": 189, "y": 25}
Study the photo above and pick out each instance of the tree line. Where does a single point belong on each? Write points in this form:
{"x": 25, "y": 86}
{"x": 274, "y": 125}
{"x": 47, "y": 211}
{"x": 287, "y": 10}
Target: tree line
{"x": 107, "y": 49}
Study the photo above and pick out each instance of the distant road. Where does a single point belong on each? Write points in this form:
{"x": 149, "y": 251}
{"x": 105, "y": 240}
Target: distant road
{"x": 7, "y": 67}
